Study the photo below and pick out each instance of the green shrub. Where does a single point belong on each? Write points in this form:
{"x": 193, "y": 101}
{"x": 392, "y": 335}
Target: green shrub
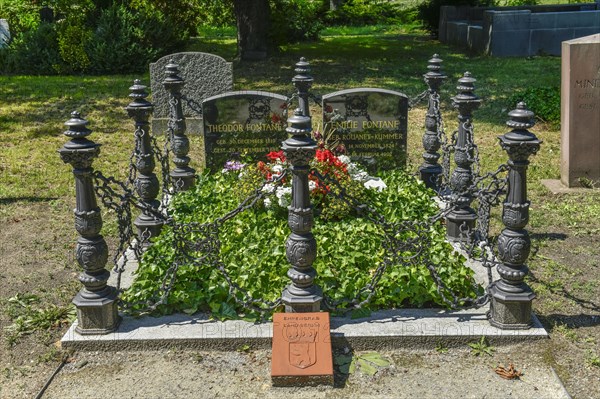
{"x": 34, "y": 52}
{"x": 252, "y": 248}
{"x": 92, "y": 37}
{"x": 126, "y": 41}
{"x": 543, "y": 101}
{"x": 182, "y": 15}
{"x": 366, "y": 12}
{"x": 215, "y": 13}
{"x": 295, "y": 20}
{"x": 22, "y": 16}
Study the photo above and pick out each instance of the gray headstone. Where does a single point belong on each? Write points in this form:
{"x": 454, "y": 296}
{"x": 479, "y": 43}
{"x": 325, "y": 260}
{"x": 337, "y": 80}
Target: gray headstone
{"x": 205, "y": 75}
{"x": 243, "y": 125}
{"x": 4, "y": 33}
{"x": 580, "y": 111}
{"x": 370, "y": 123}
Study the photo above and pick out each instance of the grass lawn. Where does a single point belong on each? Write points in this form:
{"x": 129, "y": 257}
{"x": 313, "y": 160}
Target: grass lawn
{"x": 37, "y": 268}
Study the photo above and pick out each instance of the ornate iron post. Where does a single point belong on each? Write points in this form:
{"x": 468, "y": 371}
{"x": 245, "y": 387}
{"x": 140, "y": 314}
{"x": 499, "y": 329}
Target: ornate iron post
{"x": 511, "y": 297}
{"x": 97, "y": 302}
{"x": 461, "y": 219}
{"x": 146, "y": 182}
{"x": 431, "y": 169}
{"x": 183, "y": 176}
{"x": 303, "y": 82}
{"x": 301, "y": 247}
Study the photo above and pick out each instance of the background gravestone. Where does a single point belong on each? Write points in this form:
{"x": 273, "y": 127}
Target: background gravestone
{"x": 370, "y": 123}
{"x": 243, "y": 125}
{"x": 4, "y": 33}
{"x": 205, "y": 75}
{"x": 580, "y": 111}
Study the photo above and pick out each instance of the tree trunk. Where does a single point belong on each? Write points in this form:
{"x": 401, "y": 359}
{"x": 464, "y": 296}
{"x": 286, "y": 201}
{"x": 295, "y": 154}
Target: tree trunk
{"x": 253, "y": 20}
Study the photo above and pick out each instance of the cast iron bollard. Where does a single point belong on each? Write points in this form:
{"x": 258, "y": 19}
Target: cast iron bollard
{"x": 431, "y": 169}
{"x": 97, "y": 302}
{"x": 146, "y": 182}
{"x": 301, "y": 248}
{"x": 511, "y": 297}
{"x": 303, "y": 82}
{"x": 461, "y": 219}
{"x": 183, "y": 176}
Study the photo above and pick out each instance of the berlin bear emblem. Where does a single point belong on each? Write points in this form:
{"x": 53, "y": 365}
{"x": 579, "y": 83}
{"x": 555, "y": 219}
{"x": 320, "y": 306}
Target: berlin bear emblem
{"x": 302, "y": 346}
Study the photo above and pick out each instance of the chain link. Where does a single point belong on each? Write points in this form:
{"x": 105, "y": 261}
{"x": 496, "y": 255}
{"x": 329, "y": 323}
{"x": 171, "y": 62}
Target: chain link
{"x": 417, "y": 99}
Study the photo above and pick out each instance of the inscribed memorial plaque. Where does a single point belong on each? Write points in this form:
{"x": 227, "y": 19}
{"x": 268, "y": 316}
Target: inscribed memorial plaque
{"x": 301, "y": 349}
{"x": 370, "y": 123}
{"x": 243, "y": 125}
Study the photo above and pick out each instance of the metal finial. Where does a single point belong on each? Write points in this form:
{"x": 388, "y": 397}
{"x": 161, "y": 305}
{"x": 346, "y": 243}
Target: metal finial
{"x": 76, "y": 126}
{"x": 521, "y": 117}
{"x": 138, "y": 94}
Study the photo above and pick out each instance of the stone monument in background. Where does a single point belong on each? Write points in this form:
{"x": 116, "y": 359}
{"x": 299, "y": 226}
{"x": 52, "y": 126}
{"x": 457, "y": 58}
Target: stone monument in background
{"x": 205, "y": 75}
{"x": 580, "y": 112}
{"x": 4, "y": 33}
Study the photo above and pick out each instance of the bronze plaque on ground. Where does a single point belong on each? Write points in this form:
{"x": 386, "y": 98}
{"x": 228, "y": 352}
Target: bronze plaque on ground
{"x": 301, "y": 350}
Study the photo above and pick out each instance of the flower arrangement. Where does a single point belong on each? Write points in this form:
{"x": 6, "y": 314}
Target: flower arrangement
{"x": 339, "y": 172}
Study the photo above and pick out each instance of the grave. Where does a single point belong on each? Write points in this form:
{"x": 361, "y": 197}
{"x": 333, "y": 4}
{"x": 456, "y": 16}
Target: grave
{"x": 243, "y": 125}
{"x": 205, "y": 75}
{"x": 4, "y": 33}
{"x": 580, "y": 112}
{"x": 301, "y": 352}
{"x": 370, "y": 123}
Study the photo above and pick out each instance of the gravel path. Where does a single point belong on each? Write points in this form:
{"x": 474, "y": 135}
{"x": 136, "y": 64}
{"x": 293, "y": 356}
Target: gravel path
{"x": 194, "y": 374}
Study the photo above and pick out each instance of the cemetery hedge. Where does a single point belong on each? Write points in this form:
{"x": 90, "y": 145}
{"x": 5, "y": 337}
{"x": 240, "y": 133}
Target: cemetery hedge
{"x": 119, "y": 36}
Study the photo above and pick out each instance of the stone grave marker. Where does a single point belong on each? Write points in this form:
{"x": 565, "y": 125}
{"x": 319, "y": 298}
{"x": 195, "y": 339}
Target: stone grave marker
{"x": 4, "y": 33}
{"x": 241, "y": 125}
{"x": 205, "y": 75}
{"x": 301, "y": 350}
{"x": 370, "y": 123}
{"x": 580, "y": 111}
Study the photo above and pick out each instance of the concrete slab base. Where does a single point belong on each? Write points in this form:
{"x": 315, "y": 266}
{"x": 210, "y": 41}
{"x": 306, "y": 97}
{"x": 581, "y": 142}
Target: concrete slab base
{"x": 399, "y": 328}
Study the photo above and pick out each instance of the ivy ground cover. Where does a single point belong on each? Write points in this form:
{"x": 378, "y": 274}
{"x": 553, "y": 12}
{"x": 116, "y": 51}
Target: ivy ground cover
{"x": 350, "y": 250}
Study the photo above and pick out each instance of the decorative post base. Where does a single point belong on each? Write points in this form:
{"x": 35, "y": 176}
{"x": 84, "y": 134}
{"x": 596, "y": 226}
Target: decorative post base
{"x": 97, "y": 312}
{"x": 460, "y": 224}
{"x": 147, "y": 227}
{"x": 430, "y": 175}
{"x": 302, "y": 304}
{"x": 183, "y": 180}
{"x": 511, "y": 311}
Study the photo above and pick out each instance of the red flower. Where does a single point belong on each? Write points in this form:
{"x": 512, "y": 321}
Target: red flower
{"x": 276, "y": 156}
{"x": 275, "y": 118}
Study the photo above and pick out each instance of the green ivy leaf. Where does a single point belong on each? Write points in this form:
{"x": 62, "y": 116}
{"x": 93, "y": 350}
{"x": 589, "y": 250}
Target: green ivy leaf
{"x": 376, "y": 359}
{"x": 366, "y": 367}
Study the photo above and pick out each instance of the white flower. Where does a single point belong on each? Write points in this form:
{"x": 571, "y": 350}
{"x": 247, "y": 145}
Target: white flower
{"x": 345, "y": 159}
{"x": 361, "y": 175}
{"x": 268, "y": 188}
{"x": 277, "y": 169}
{"x": 268, "y": 202}
{"x": 375, "y": 183}
{"x": 284, "y": 196}
{"x": 312, "y": 185}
